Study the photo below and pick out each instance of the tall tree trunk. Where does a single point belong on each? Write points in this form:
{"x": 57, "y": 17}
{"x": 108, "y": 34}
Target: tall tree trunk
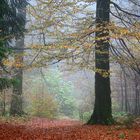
{"x": 4, "y": 103}
{"x": 125, "y": 92}
{"x": 137, "y": 99}
{"x": 16, "y": 102}
{"x": 122, "y": 92}
{"x": 102, "y": 113}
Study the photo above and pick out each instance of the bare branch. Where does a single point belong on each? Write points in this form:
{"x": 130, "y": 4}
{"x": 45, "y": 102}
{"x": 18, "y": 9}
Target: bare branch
{"x": 126, "y": 12}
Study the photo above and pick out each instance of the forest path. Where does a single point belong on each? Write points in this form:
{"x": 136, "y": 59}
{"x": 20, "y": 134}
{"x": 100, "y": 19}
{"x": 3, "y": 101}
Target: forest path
{"x": 45, "y": 129}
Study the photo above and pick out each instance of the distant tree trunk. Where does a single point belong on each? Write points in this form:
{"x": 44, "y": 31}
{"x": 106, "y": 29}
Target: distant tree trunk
{"x": 125, "y": 93}
{"x": 4, "y": 104}
{"x": 122, "y": 93}
{"x": 16, "y": 102}
{"x": 137, "y": 96}
{"x": 102, "y": 113}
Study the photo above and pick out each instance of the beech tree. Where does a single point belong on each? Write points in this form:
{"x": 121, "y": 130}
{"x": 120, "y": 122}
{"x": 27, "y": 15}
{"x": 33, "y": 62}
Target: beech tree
{"x": 102, "y": 110}
{"x": 17, "y": 101}
{"x": 11, "y": 27}
{"x": 125, "y": 33}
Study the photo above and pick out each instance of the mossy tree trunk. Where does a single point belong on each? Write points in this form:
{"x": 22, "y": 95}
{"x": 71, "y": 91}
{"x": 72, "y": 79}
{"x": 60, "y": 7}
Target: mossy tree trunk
{"x": 17, "y": 100}
{"x": 102, "y": 113}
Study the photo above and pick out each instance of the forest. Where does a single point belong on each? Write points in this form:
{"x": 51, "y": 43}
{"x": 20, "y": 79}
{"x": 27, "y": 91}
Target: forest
{"x": 69, "y": 69}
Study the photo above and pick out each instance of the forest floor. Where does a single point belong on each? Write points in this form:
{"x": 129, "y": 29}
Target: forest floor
{"x": 45, "y": 129}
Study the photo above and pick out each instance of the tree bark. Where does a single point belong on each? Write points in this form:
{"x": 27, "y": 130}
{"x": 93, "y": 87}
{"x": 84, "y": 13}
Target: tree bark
{"x": 16, "y": 102}
{"x": 102, "y": 113}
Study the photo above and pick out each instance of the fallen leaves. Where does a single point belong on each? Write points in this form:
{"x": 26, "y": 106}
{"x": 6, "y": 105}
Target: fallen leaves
{"x": 44, "y": 129}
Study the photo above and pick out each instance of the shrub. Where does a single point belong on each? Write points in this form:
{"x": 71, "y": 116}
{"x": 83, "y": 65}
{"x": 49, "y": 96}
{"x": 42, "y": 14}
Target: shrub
{"x": 43, "y": 106}
{"x": 86, "y": 116}
{"x": 123, "y": 118}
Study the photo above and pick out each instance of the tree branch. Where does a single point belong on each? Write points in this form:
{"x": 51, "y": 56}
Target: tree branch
{"x": 128, "y": 13}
